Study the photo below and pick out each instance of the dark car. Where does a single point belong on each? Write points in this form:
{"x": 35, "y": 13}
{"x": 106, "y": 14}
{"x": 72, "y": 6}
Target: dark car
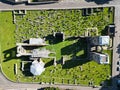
{"x": 118, "y": 63}
{"x": 111, "y": 30}
{"x": 118, "y": 68}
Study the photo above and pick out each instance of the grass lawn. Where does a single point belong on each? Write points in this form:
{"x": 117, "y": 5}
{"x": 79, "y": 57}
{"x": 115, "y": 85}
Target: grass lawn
{"x": 77, "y": 69}
{"x": 71, "y": 22}
{"x": 7, "y": 44}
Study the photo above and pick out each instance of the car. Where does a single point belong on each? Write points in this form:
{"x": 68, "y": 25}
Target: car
{"x": 118, "y": 68}
{"x": 118, "y": 63}
{"x": 111, "y": 30}
{"x": 118, "y": 83}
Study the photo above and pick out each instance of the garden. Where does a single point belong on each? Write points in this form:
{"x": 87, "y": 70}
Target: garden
{"x": 74, "y": 23}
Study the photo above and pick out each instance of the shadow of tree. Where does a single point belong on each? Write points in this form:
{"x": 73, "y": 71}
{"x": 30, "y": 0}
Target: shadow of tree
{"x": 99, "y": 1}
{"x": 10, "y": 54}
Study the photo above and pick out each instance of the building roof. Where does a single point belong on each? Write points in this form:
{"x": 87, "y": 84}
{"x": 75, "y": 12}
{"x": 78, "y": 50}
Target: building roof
{"x": 37, "y": 68}
{"x": 40, "y": 53}
{"x": 100, "y": 58}
{"x": 36, "y": 41}
{"x": 104, "y": 40}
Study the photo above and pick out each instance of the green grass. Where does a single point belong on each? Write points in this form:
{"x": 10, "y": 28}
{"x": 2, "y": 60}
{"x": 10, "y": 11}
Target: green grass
{"x": 71, "y": 22}
{"x": 7, "y": 41}
{"x": 43, "y": 23}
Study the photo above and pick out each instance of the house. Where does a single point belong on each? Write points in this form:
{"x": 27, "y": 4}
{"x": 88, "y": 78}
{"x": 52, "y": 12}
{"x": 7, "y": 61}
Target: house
{"x": 100, "y": 58}
{"x": 36, "y": 41}
{"x": 99, "y": 40}
{"x": 37, "y": 53}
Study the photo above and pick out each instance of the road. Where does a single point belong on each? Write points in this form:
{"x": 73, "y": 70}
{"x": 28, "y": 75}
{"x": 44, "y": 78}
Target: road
{"x": 116, "y": 47}
{"x": 7, "y": 85}
{"x": 67, "y": 4}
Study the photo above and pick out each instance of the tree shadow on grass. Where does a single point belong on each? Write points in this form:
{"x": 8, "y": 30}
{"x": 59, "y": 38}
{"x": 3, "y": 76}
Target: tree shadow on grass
{"x": 99, "y": 1}
{"x": 10, "y": 54}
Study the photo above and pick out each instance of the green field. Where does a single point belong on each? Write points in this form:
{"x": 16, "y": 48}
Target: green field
{"x": 42, "y": 24}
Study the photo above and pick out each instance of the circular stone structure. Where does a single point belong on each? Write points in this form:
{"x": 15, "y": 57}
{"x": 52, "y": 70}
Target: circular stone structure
{"x": 37, "y": 68}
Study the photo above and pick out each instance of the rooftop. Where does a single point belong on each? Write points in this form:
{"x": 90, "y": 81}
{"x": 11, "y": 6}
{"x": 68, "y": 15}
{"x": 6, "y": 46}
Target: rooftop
{"x": 99, "y": 40}
{"x": 37, "y": 68}
{"x": 104, "y": 40}
{"x": 100, "y": 58}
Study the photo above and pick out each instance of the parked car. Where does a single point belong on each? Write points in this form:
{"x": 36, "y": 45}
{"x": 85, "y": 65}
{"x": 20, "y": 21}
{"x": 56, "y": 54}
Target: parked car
{"x": 111, "y": 30}
{"x": 118, "y": 63}
{"x": 118, "y": 68}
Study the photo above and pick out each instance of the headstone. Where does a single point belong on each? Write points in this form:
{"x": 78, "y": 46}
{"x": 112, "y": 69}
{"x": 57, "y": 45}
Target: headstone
{"x": 81, "y": 68}
{"x": 55, "y": 63}
{"x": 63, "y": 60}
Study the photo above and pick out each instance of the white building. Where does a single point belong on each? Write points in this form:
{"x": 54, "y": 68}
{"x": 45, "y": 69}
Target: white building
{"x": 37, "y": 67}
{"x": 100, "y": 58}
{"x": 99, "y": 40}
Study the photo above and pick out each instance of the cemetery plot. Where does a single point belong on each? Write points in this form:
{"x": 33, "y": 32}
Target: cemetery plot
{"x": 72, "y": 65}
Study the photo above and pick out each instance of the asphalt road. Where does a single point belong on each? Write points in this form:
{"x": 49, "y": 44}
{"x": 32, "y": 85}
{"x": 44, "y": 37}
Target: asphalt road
{"x": 7, "y": 85}
{"x": 116, "y": 42}
{"x": 116, "y": 46}
{"x": 67, "y": 4}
